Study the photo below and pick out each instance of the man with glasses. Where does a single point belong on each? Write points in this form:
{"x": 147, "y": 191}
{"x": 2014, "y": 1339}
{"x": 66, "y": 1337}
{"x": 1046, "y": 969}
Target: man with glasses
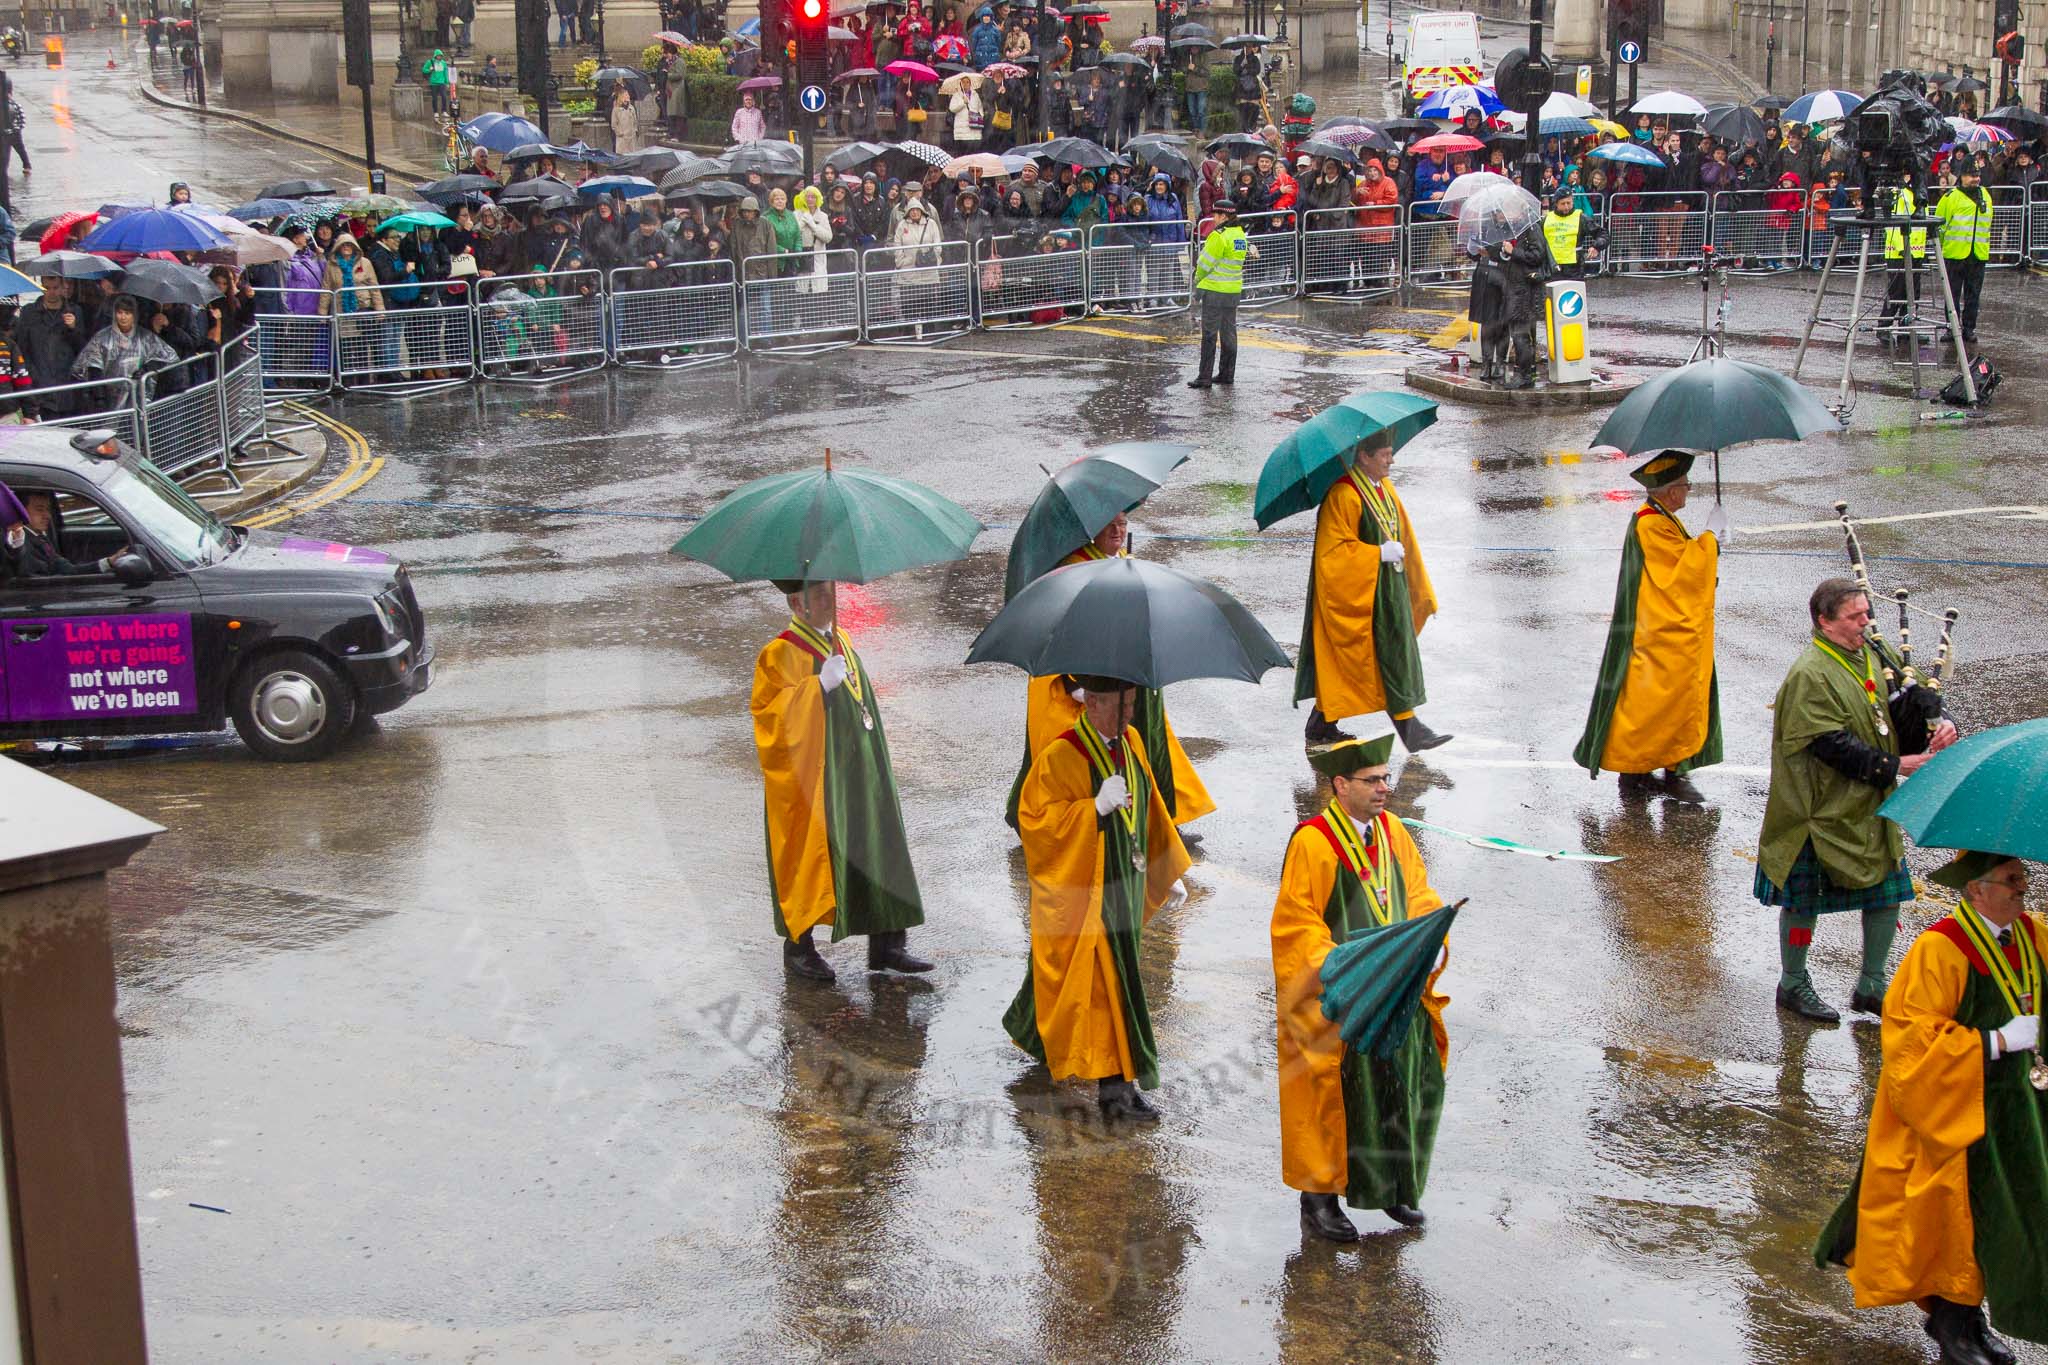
{"x": 1657, "y": 702}
{"x": 1946, "y": 1208}
{"x": 1350, "y": 1124}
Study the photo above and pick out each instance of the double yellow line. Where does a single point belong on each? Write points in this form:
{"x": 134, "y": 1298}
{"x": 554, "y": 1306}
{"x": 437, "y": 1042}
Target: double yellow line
{"x": 362, "y": 466}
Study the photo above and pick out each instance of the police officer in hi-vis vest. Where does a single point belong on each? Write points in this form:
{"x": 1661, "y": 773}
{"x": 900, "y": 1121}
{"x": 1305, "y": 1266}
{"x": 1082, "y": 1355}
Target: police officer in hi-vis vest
{"x": 1219, "y": 281}
{"x": 1896, "y": 266}
{"x": 1965, "y": 213}
{"x": 1572, "y": 236}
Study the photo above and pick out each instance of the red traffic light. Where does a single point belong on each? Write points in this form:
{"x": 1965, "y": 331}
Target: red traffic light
{"x": 813, "y": 10}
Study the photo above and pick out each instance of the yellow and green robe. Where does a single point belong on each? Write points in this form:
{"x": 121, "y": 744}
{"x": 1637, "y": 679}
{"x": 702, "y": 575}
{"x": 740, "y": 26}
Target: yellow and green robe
{"x": 1358, "y": 652}
{"x": 837, "y": 853}
{"x": 1082, "y": 1009}
{"x": 1658, "y": 702}
{"x": 1951, "y": 1197}
{"x": 1050, "y": 708}
{"x": 1351, "y": 1124}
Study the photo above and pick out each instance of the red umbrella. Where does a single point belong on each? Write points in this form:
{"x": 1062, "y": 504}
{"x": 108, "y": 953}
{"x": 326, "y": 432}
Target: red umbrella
{"x": 59, "y": 233}
{"x": 916, "y": 71}
{"x": 950, "y": 48}
{"x": 1446, "y": 142}
{"x": 760, "y": 83}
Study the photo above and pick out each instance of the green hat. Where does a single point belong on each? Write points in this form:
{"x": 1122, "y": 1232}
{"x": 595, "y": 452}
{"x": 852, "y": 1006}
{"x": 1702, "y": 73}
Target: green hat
{"x": 1967, "y": 867}
{"x": 1347, "y": 756}
{"x": 1667, "y": 466}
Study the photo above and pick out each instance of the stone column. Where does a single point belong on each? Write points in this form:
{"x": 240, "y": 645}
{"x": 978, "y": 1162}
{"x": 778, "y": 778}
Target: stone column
{"x": 280, "y": 49}
{"x": 1575, "y": 34}
{"x": 70, "y": 1277}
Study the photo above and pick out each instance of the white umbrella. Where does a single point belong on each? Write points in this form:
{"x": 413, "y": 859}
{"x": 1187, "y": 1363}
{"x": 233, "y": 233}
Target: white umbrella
{"x": 247, "y": 249}
{"x": 1496, "y": 214}
{"x": 1564, "y": 105}
{"x": 1667, "y": 102}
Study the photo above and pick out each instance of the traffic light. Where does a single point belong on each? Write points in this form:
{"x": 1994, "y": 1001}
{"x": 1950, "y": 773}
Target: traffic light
{"x": 811, "y": 19}
{"x": 1629, "y": 19}
{"x": 2010, "y": 47}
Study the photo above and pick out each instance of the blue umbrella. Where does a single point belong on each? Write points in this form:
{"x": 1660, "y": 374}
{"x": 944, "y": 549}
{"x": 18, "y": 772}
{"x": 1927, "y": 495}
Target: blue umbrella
{"x": 122, "y": 208}
{"x": 482, "y": 121}
{"x": 1453, "y": 100}
{"x": 1628, "y": 154}
{"x": 13, "y": 283}
{"x": 750, "y": 29}
{"x": 1565, "y": 127}
{"x": 625, "y": 186}
{"x": 155, "y": 230}
{"x": 580, "y": 150}
{"x": 506, "y": 133}
{"x": 257, "y": 209}
{"x": 1821, "y": 106}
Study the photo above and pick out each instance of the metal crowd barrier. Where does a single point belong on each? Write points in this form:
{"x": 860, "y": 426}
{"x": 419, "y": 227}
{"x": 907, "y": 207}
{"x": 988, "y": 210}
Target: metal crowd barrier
{"x": 180, "y": 416}
{"x": 1273, "y": 272}
{"x": 2037, "y": 222}
{"x": 1032, "y": 281}
{"x": 793, "y": 307}
{"x": 297, "y": 345}
{"x": 677, "y": 316}
{"x": 1130, "y": 268}
{"x": 915, "y": 295}
{"x": 1435, "y": 260}
{"x": 416, "y": 339}
{"x": 1751, "y": 237}
{"x": 1658, "y": 234}
{"x": 2008, "y": 225}
{"x": 90, "y": 404}
{"x": 1343, "y": 258}
{"x": 539, "y": 328}
{"x": 1818, "y": 240}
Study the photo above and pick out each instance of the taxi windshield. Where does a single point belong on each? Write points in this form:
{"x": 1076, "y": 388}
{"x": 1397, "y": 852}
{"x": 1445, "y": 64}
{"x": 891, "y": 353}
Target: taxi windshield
{"x": 182, "y": 528}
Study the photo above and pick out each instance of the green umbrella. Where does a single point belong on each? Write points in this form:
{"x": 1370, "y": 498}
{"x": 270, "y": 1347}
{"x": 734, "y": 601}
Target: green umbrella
{"x": 1315, "y": 454}
{"x": 1083, "y": 498}
{"x": 842, "y": 525}
{"x": 1983, "y": 793}
{"x": 1373, "y": 981}
{"x": 416, "y": 218}
{"x": 1711, "y": 405}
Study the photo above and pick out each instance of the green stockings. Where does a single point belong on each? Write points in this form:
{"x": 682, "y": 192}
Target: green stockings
{"x": 1795, "y": 939}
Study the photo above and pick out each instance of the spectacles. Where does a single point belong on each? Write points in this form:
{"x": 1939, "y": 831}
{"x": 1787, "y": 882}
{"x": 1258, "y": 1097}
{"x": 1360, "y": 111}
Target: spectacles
{"x": 2018, "y": 888}
{"x": 1375, "y": 780}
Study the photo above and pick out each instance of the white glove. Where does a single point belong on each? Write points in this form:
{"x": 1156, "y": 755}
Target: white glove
{"x": 1176, "y": 896}
{"x": 1392, "y": 552}
{"x": 1079, "y": 694}
{"x": 2020, "y": 1035}
{"x": 17, "y": 536}
{"x": 1112, "y": 795}
{"x": 1717, "y": 523}
{"x": 833, "y": 673}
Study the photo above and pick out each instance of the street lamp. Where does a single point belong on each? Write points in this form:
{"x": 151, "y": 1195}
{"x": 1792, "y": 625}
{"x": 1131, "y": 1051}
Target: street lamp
{"x": 406, "y": 19}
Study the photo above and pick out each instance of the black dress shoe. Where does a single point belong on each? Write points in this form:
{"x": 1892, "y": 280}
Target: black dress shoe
{"x": 1406, "y": 1215}
{"x": 1198, "y": 383}
{"x": 1226, "y": 380}
{"x": 1678, "y": 785}
{"x": 1121, "y": 1100}
{"x": 1320, "y": 730}
{"x": 2000, "y": 1353}
{"x": 1638, "y": 786}
{"x": 1802, "y": 1001}
{"x": 889, "y": 952}
{"x": 1866, "y": 1002}
{"x": 1954, "y": 1328}
{"x": 1415, "y": 736}
{"x": 1321, "y": 1215}
{"x": 801, "y": 958}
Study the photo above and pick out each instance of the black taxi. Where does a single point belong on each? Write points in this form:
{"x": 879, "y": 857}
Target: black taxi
{"x": 145, "y": 614}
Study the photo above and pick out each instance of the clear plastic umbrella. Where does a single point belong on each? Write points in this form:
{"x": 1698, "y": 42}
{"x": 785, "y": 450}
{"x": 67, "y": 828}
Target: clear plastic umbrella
{"x": 1467, "y": 185}
{"x": 1496, "y": 213}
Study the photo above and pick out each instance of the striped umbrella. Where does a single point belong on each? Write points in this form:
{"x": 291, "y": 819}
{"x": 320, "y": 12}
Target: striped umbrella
{"x": 1822, "y": 106}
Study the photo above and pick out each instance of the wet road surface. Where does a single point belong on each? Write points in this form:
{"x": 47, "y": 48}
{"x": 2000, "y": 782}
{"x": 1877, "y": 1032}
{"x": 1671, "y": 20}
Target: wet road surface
{"x": 479, "y": 1030}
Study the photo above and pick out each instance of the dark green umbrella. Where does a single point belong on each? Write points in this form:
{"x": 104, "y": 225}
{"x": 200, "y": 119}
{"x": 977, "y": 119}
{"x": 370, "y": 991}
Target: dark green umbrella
{"x": 1315, "y": 454}
{"x": 842, "y": 525}
{"x": 1130, "y": 619}
{"x": 1983, "y": 793}
{"x": 1373, "y": 981}
{"x": 1081, "y": 499}
{"x": 1711, "y": 405}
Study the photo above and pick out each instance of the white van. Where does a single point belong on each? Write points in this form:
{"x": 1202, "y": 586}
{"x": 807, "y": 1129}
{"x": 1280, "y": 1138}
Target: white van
{"x": 1437, "y": 51}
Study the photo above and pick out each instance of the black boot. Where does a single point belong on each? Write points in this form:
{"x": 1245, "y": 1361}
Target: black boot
{"x": 801, "y": 958}
{"x": 1319, "y": 730}
{"x": 1866, "y": 1003}
{"x": 1119, "y": 1100}
{"x": 1200, "y": 381}
{"x": 2000, "y": 1353}
{"x": 1954, "y": 1328}
{"x": 1321, "y": 1215}
{"x": 1803, "y": 1001}
{"x": 1407, "y": 1215}
{"x": 1677, "y": 784}
{"x": 1638, "y": 786}
{"x": 1415, "y": 736}
{"x": 889, "y": 952}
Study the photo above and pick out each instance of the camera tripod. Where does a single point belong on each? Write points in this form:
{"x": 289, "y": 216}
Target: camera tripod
{"x": 1713, "y": 320}
{"x": 1910, "y": 324}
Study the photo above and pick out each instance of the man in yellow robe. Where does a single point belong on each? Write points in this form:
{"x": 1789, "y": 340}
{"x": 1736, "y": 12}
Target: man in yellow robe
{"x": 1351, "y": 1124}
{"x": 1368, "y": 598}
{"x": 1948, "y": 1203}
{"x": 1657, "y": 703}
{"x": 1103, "y": 858}
{"x": 837, "y": 854}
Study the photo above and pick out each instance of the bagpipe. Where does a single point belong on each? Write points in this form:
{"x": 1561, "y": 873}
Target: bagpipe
{"x": 1908, "y": 689}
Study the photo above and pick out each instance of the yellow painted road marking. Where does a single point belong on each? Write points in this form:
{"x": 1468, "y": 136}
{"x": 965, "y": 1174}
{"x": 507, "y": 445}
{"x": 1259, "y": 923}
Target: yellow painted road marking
{"x": 1451, "y": 334}
{"x": 1245, "y": 340}
{"x": 361, "y": 468}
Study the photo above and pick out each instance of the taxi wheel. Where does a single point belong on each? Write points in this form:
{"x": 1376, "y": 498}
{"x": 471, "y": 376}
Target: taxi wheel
{"x": 292, "y": 707}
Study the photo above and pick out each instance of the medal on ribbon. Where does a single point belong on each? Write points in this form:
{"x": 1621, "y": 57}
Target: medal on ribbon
{"x": 1867, "y": 679}
{"x": 1381, "y": 505}
{"x": 1377, "y": 878}
{"x": 1098, "y": 756}
{"x": 854, "y": 688}
{"x": 2021, "y": 987}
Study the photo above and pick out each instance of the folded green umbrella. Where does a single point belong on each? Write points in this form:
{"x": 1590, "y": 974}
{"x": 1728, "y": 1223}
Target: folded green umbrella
{"x": 1315, "y": 454}
{"x": 1081, "y": 499}
{"x": 1983, "y": 793}
{"x": 416, "y": 218}
{"x": 1373, "y": 981}
{"x": 842, "y": 525}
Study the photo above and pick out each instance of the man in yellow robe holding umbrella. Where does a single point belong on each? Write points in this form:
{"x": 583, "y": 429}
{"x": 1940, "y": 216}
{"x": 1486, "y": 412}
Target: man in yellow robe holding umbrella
{"x": 1657, "y": 702}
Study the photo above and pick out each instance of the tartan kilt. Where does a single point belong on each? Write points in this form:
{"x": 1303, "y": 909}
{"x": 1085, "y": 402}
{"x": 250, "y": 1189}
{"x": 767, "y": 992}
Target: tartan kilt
{"x": 1809, "y": 891}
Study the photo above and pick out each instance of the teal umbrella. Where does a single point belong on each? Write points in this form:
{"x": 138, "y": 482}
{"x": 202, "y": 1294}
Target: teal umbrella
{"x": 1078, "y": 501}
{"x": 416, "y": 218}
{"x": 1984, "y": 793}
{"x": 1315, "y": 454}
{"x": 1373, "y": 981}
{"x": 1713, "y": 404}
{"x": 843, "y": 525}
